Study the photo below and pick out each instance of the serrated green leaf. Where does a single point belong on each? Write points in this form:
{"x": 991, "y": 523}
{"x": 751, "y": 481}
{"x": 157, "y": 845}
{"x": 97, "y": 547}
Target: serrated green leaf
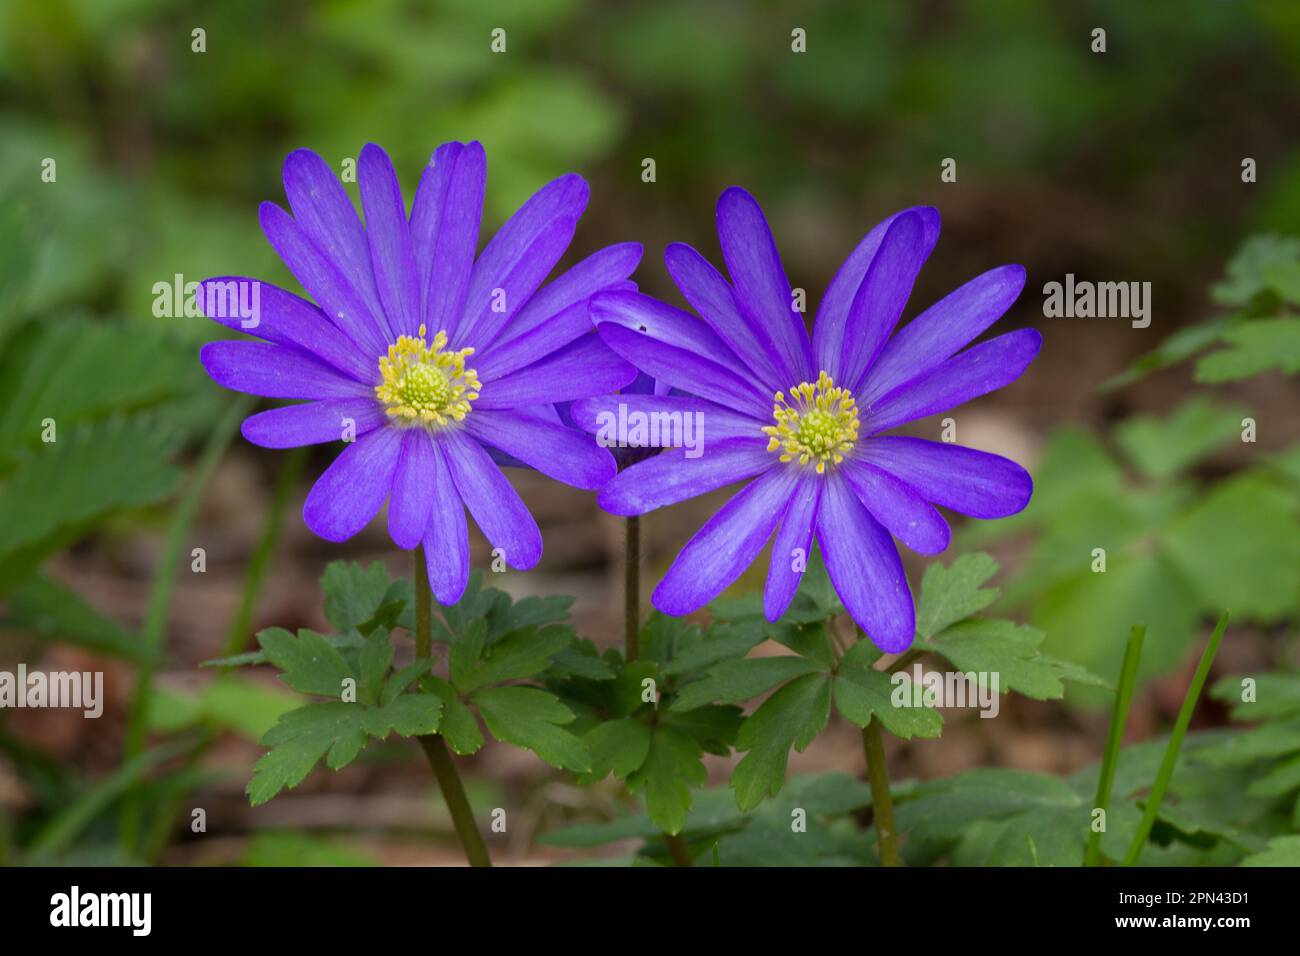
{"x": 517, "y": 656}
{"x": 950, "y": 594}
{"x": 1010, "y": 651}
{"x": 457, "y": 725}
{"x": 1282, "y": 851}
{"x": 862, "y": 692}
{"x": 792, "y": 717}
{"x": 410, "y": 715}
{"x": 403, "y": 678}
{"x": 1272, "y": 695}
{"x": 300, "y": 739}
{"x": 1249, "y": 270}
{"x": 376, "y": 657}
{"x": 671, "y": 767}
{"x": 308, "y": 663}
{"x": 353, "y": 594}
{"x": 618, "y": 747}
{"x": 529, "y": 717}
{"x": 736, "y": 681}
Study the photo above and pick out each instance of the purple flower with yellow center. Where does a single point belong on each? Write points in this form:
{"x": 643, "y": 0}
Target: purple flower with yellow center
{"x": 432, "y": 362}
{"x": 804, "y": 417}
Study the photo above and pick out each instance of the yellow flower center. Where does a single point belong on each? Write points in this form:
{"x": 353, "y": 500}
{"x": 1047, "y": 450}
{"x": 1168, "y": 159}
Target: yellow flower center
{"x": 423, "y": 385}
{"x": 818, "y": 423}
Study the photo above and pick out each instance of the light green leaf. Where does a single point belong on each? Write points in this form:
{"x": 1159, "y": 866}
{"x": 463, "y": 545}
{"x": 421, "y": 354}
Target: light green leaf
{"x": 792, "y": 717}
{"x": 410, "y": 715}
{"x": 1162, "y": 447}
{"x": 861, "y": 692}
{"x": 1011, "y": 651}
{"x": 671, "y": 767}
{"x": 529, "y": 717}
{"x": 308, "y": 663}
{"x": 950, "y": 594}
{"x": 1253, "y": 347}
{"x": 299, "y": 740}
{"x": 735, "y": 681}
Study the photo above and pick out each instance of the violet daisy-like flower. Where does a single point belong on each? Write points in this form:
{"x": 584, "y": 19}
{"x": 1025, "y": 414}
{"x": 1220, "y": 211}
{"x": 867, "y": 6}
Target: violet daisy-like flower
{"x": 804, "y": 417}
{"x": 433, "y": 362}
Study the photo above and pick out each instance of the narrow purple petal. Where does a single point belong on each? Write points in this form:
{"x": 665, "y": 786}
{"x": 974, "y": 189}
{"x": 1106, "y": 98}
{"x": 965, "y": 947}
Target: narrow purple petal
{"x": 671, "y": 477}
{"x": 445, "y": 220}
{"x": 708, "y": 423}
{"x": 881, "y": 297}
{"x": 970, "y": 482}
{"x": 322, "y": 208}
{"x": 314, "y": 423}
{"x": 763, "y": 289}
{"x": 663, "y": 323}
{"x": 388, "y": 233}
{"x": 942, "y": 330}
{"x": 446, "y": 541}
{"x": 833, "y": 313}
{"x": 865, "y": 568}
{"x": 684, "y": 367}
{"x": 276, "y": 371}
{"x": 601, "y": 270}
{"x": 713, "y": 298}
{"x": 726, "y": 545}
{"x": 557, "y": 452}
{"x": 412, "y": 500}
{"x": 497, "y": 508}
{"x": 979, "y": 370}
{"x": 578, "y": 370}
{"x": 285, "y": 319}
{"x": 897, "y": 506}
{"x": 322, "y": 279}
{"x": 353, "y": 488}
{"x": 793, "y": 539}
{"x": 519, "y": 257}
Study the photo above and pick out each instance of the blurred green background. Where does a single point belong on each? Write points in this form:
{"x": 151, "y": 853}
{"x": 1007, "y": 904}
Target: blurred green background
{"x": 1119, "y": 166}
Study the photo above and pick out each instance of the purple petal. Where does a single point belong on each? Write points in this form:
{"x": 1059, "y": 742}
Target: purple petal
{"x": 286, "y": 319}
{"x": 353, "y": 488}
{"x": 601, "y": 270}
{"x": 795, "y": 534}
{"x": 833, "y": 314}
{"x": 671, "y": 476}
{"x": 897, "y": 506}
{"x": 493, "y": 501}
{"x": 578, "y": 370}
{"x": 322, "y": 209}
{"x": 682, "y": 364}
{"x": 315, "y": 423}
{"x": 445, "y": 219}
{"x": 942, "y": 330}
{"x": 276, "y": 371}
{"x": 977, "y": 371}
{"x": 726, "y": 545}
{"x": 323, "y": 280}
{"x": 663, "y": 323}
{"x": 412, "y": 499}
{"x": 970, "y": 482}
{"x": 557, "y": 452}
{"x": 603, "y": 414}
{"x": 713, "y": 298}
{"x": 761, "y": 285}
{"x": 881, "y": 297}
{"x": 446, "y": 542}
{"x": 865, "y": 568}
{"x": 391, "y": 256}
{"x": 520, "y": 256}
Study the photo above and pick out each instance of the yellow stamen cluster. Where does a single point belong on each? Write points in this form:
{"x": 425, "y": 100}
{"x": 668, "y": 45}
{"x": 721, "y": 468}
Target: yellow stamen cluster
{"x": 423, "y": 385}
{"x": 818, "y": 423}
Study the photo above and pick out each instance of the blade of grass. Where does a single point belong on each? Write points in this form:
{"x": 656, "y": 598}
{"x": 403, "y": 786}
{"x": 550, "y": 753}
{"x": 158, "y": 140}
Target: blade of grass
{"x": 1166, "y": 770}
{"x": 154, "y": 632}
{"x": 1114, "y": 739}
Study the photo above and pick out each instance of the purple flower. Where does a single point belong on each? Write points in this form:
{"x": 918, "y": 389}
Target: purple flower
{"x": 433, "y": 363}
{"x": 803, "y": 417}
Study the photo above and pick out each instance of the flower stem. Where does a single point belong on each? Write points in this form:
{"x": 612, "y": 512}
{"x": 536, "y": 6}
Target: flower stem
{"x": 1170, "y": 759}
{"x": 882, "y": 804}
{"x": 1114, "y": 739}
{"x": 678, "y": 849}
{"x": 435, "y": 747}
{"x": 632, "y": 588}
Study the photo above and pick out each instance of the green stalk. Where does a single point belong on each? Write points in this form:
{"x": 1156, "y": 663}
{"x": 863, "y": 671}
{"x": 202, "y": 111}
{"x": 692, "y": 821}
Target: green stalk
{"x": 632, "y": 588}
{"x": 153, "y": 635}
{"x": 1115, "y": 738}
{"x": 435, "y": 747}
{"x": 1175, "y": 742}
{"x": 882, "y": 804}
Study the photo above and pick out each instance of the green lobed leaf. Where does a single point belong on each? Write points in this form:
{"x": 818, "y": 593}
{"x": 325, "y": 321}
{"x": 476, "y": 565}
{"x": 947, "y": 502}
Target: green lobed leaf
{"x": 308, "y": 663}
{"x": 792, "y": 717}
{"x": 671, "y": 768}
{"x": 529, "y": 717}
{"x": 949, "y": 594}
